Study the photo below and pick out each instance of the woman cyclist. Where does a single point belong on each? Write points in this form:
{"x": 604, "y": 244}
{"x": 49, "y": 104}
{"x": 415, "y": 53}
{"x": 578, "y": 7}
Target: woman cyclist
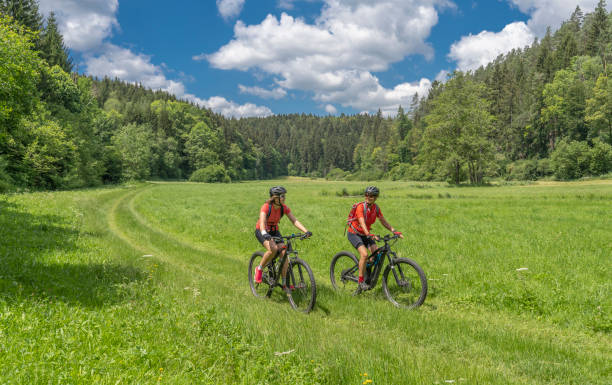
{"x": 267, "y": 227}
{"x": 359, "y": 230}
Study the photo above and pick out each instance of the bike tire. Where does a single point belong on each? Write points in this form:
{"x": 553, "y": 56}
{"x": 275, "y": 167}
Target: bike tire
{"x": 344, "y": 272}
{"x": 407, "y": 286}
{"x": 263, "y": 289}
{"x": 304, "y": 294}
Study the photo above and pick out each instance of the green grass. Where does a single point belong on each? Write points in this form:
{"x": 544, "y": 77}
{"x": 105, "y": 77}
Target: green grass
{"x": 148, "y": 284}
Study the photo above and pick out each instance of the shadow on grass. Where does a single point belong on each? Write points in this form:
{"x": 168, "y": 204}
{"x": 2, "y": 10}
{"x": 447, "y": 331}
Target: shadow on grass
{"x": 34, "y": 263}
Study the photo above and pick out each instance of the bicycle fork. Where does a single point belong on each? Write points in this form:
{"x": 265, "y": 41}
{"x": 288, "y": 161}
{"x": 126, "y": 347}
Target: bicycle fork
{"x": 398, "y": 274}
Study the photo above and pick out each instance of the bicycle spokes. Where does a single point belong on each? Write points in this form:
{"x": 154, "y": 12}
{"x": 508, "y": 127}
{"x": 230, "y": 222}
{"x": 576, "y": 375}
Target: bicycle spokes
{"x": 406, "y": 286}
{"x": 301, "y": 286}
{"x": 349, "y": 275}
{"x": 401, "y": 279}
{"x": 299, "y": 282}
{"x": 262, "y": 289}
{"x": 344, "y": 272}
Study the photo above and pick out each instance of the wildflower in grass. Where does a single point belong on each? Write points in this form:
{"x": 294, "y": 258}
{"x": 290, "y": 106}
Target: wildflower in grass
{"x": 368, "y": 381}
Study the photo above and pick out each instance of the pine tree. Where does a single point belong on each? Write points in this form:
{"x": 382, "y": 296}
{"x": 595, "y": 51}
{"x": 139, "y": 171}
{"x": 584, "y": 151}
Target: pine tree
{"x": 566, "y": 51}
{"x": 24, "y": 12}
{"x": 598, "y": 35}
{"x": 52, "y": 46}
{"x": 545, "y": 64}
{"x": 577, "y": 17}
{"x": 576, "y": 22}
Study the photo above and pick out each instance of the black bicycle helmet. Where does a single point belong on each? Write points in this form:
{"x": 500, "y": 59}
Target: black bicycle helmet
{"x": 372, "y": 190}
{"x": 277, "y": 190}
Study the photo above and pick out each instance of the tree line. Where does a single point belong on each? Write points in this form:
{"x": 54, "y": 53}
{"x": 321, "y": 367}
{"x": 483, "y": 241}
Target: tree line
{"x": 543, "y": 110}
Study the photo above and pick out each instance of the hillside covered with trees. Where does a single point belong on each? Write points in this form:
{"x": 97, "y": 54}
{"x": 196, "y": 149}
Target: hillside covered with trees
{"x": 544, "y": 110}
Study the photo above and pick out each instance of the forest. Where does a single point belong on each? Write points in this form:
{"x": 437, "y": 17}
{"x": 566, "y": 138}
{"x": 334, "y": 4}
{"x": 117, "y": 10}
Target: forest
{"x": 542, "y": 111}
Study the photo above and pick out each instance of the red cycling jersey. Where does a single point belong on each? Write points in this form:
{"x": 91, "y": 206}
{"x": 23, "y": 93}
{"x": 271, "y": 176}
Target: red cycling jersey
{"x": 370, "y": 216}
{"x": 275, "y": 216}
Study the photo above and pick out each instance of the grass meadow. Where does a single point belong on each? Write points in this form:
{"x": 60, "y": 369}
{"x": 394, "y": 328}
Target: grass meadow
{"x": 147, "y": 284}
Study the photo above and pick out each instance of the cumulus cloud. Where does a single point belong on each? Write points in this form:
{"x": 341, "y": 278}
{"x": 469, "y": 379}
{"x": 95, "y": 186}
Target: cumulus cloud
{"x": 545, "y": 13}
{"x": 289, "y": 4}
{"x": 117, "y": 62}
{"x": 229, "y": 8}
{"x": 330, "y": 109}
{"x": 363, "y": 91}
{"x": 334, "y": 56}
{"x": 231, "y": 109}
{"x": 276, "y": 93}
{"x": 137, "y": 68}
{"x": 387, "y": 100}
{"x": 474, "y": 51}
{"x": 338, "y": 41}
{"x": 442, "y": 76}
{"x": 83, "y": 23}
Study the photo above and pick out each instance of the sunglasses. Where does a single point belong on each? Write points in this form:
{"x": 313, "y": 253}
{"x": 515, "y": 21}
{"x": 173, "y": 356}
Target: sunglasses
{"x": 372, "y": 196}
{"x": 281, "y": 196}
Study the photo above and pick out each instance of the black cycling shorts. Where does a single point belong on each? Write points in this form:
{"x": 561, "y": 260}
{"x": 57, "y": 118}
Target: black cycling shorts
{"x": 358, "y": 240}
{"x": 261, "y": 239}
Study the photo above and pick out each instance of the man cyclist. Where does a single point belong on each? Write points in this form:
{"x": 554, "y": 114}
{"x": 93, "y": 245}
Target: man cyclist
{"x": 267, "y": 227}
{"x": 359, "y": 230}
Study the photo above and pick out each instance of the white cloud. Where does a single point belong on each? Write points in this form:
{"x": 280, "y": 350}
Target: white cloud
{"x": 330, "y": 109}
{"x": 84, "y": 24}
{"x": 231, "y": 109}
{"x": 362, "y": 91}
{"x": 229, "y": 8}
{"x": 117, "y": 62}
{"x": 442, "y": 76}
{"x": 552, "y": 13}
{"x": 276, "y": 93}
{"x": 137, "y": 68}
{"x": 474, "y": 51}
{"x": 289, "y": 4}
{"x": 334, "y": 56}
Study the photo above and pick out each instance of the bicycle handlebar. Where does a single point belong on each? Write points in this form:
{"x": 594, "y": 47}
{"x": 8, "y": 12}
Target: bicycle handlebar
{"x": 301, "y": 236}
{"x": 387, "y": 237}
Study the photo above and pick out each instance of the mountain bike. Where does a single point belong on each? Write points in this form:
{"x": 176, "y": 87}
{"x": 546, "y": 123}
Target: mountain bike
{"x": 404, "y": 282}
{"x": 301, "y": 289}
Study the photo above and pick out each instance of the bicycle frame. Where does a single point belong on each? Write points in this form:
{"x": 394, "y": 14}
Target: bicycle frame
{"x": 277, "y": 262}
{"x": 379, "y": 255}
{"x": 404, "y": 282}
{"x": 371, "y": 276}
{"x": 298, "y": 283}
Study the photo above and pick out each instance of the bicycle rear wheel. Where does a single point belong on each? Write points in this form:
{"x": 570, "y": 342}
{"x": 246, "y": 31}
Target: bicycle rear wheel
{"x": 262, "y": 289}
{"x": 406, "y": 287}
{"x": 344, "y": 272}
{"x": 304, "y": 293}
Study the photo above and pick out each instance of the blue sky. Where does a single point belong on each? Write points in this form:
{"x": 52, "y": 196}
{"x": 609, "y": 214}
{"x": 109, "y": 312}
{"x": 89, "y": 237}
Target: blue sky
{"x": 261, "y": 57}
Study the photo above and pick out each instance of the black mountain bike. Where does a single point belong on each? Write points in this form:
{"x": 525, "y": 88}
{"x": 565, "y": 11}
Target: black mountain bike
{"x": 404, "y": 282}
{"x": 301, "y": 288}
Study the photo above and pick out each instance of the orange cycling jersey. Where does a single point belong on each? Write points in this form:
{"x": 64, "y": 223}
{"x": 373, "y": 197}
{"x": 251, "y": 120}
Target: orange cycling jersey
{"x": 372, "y": 212}
{"x": 274, "y": 216}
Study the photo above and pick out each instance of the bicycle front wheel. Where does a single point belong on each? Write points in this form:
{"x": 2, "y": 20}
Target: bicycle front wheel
{"x": 405, "y": 284}
{"x": 262, "y": 289}
{"x": 302, "y": 290}
{"x": 344, "y": 272}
